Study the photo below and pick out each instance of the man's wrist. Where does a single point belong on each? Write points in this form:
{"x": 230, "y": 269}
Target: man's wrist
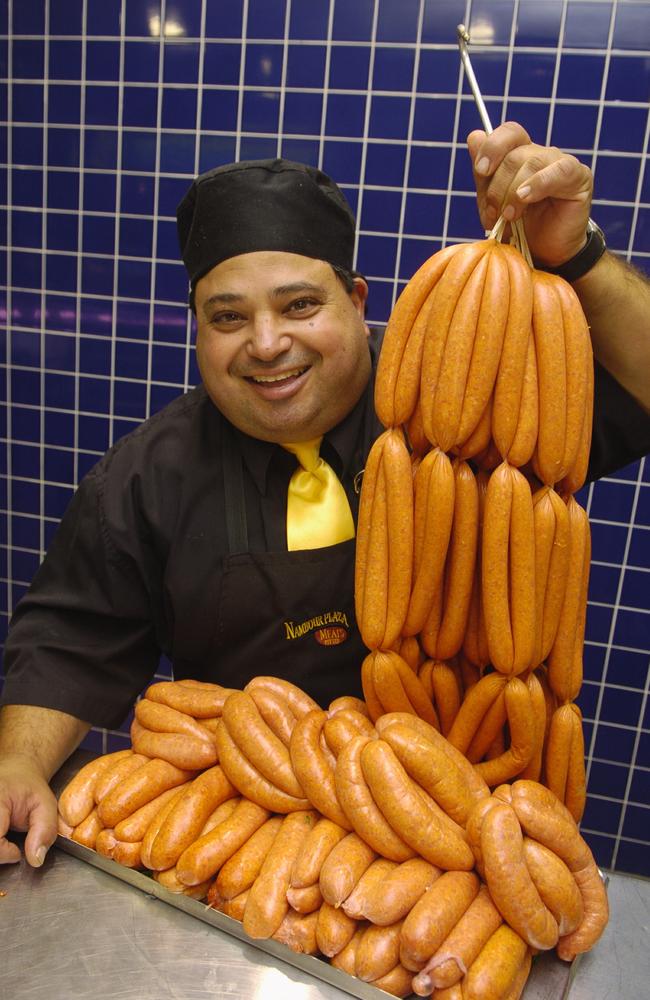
{"x": 586, "y": 258}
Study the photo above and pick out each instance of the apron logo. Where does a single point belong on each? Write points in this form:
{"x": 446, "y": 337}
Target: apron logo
{"x": 330, "y": 628}
{"x": 330, "y": 636}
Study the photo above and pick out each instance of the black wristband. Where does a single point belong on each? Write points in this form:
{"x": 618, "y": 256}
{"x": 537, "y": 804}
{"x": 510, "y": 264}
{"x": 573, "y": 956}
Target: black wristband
{"x": 585, "y": 259}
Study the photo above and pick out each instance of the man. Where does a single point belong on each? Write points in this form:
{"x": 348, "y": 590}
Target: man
{"x": 180, "y": 540}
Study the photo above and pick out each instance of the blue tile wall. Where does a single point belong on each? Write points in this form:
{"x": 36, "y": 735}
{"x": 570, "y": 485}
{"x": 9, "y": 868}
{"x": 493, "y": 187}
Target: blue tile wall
{"x": 107, "y": 109}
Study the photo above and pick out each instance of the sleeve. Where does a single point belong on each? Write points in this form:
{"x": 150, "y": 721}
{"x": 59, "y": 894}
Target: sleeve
{"x": 621, "y": 427}
{"x": 83, "y": 639}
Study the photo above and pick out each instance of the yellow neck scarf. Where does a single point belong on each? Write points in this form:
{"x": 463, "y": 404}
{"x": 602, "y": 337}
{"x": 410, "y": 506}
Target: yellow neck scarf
{"x": 318, "y": 512}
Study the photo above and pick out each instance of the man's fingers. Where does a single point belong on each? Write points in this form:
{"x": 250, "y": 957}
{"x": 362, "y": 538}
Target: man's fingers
{"x": 489, "y": 151}
{"x": 565, "y": 178}
{"x": 9, "y": 853}
{"x": 42, "y": 830}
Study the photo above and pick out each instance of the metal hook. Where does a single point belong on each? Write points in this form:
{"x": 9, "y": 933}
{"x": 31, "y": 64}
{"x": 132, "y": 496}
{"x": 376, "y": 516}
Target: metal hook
{"x": 463, "y": 41}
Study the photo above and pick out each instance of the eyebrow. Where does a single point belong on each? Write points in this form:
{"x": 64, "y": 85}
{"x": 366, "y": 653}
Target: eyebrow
{"x": 227, "y": 298}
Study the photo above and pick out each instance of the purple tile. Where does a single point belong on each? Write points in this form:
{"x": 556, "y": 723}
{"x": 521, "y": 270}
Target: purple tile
{"x": 632, "y": 26}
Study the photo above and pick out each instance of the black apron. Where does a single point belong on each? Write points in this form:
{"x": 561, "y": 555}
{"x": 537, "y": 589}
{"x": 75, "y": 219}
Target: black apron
{"x": 287, "y": 614}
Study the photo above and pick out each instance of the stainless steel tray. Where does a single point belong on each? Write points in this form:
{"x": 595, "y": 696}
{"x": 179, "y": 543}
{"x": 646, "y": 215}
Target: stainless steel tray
{"x": 550, "y": 978}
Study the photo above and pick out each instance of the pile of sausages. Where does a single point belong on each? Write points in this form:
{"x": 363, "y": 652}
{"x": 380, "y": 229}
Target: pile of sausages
{"x": 377, "y": 846}
{"x": 472, "y": 553}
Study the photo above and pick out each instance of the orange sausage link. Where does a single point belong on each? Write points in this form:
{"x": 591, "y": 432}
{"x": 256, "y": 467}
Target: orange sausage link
{"x": 489, "y": 729}
{"x": 521, "y": 724}
{"x": 140, "y": 787}
{"x": 432, "y": 769}
{"x": 522, "y": 573}
{"x": 259, "y": 744}
{"x": 88, "y": 830}
{"x": 512, "y": 362}
{"x": 446, "y": 695}
{"x": 446, "y": 297}
{"x": 184, "y": 823}
{"x": 201, "y": 701}
{"x": 548, "y": 330}
{"x": 523, "y": 445}
{"x": 565, "y": 657}
{"x": 398, "y": 329}
{"x": 77, "y": 800}
{"x": 334, "y": 929}
{"x": 476, "y": 704}
{"x": 509, "y": 881}
{"x": 298, "y": 700}
{"x": 461, "y": 562}
{"x": 205, "y": 856}
{"x": 355, "y": 903}
{"x": 495, "y": 585}
{"x": 312, "y": 768}
{"x": 555, "y": 884}
{"x": 306, "y": 899}
{"x": 162, "y": 719}
{"x": 378, "y": 952}
{"x": 372, "y": 597}
{"x": 496, "y": 967}
{"x": 157, "y": 821}
{"x": 488, "y": 341}
{"x": 375, "y": 707}
{"x": 461, "y": 947}
{"x": 397, "y": 892}
{"x": 345, "y": 958}
{"x": 365, "y": 523}
{"x": 342, "y": 727}
{"x": 406, "y": 809}
{"x": 471, "y": 780}
{"x": 446, "y": 410}
{"x": 239, "y": 872}
{"x": 298, "y": 932}
{"x": 317, "y": 845}
{"x": 399, "y": 514}
{"x": 533, "y": 769}
{"x": 111, "y": 776}
{"x": 275, "y": 712}
{"x": 134, "y": 827}
{"x": 577, "y": 345}
{"x": 267, "y": 903}
{"x": 434, "y": 915}
{"x": 343, "y": 867}
{"x": 248, "y": 780}
{"x": 360, "y": 807}
{"x": 186, "y": 752}
{"x": 595, "y": 914}
{"x": 433, "y": 518}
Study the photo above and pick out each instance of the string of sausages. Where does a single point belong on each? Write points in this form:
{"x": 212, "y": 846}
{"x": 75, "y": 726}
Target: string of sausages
{"x": 472, "y": 552}
{"x": 377, "y": 846}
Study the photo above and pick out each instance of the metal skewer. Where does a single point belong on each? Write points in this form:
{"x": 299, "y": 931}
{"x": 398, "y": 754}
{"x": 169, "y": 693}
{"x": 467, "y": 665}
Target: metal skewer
{"x": 463, "y": 41}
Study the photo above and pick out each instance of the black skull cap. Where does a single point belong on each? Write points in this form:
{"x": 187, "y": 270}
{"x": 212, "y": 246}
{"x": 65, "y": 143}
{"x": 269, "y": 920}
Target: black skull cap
{"x": 254, "y": 205}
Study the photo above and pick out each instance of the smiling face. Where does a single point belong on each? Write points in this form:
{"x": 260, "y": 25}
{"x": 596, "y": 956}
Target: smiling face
{"x": 282, "y": 347}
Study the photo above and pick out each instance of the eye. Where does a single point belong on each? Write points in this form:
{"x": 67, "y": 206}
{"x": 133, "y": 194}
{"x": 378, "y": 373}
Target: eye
{"x": 226, "y": 319}
{"x": 303, "y": 305}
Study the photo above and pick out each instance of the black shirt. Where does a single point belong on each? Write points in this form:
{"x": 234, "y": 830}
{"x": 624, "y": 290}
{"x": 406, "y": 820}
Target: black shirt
{"x": 135, "y": 566}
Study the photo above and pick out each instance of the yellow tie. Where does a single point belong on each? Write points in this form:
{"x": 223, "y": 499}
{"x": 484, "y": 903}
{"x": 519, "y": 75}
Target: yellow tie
{"x": 318, "y": 512}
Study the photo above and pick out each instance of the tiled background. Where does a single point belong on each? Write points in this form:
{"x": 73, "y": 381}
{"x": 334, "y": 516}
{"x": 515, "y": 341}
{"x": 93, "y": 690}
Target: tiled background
{"x": 109, "y": 108}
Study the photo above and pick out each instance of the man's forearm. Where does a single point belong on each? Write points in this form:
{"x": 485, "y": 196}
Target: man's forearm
{"x": 46, "y": 736}
{"x": 616, "y": 301}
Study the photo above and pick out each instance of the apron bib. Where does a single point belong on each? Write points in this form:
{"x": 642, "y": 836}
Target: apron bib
{"x": 285, "y": 614}
{"x": 288, "y": 614}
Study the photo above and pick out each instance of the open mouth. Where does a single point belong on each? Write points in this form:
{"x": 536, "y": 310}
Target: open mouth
{"x": 282, "y": 378}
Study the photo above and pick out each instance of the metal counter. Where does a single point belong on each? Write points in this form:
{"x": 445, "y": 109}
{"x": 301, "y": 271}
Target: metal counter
{"x": 71, "y": 931}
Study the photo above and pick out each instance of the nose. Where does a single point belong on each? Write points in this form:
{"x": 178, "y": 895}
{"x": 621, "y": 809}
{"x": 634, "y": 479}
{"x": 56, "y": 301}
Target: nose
{"x": 268, "y": 338}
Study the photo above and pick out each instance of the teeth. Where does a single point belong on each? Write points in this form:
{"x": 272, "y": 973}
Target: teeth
{"x": 277, "y": 378}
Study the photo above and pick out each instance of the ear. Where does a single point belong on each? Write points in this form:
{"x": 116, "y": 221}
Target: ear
{"x": 359, "y": 296}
